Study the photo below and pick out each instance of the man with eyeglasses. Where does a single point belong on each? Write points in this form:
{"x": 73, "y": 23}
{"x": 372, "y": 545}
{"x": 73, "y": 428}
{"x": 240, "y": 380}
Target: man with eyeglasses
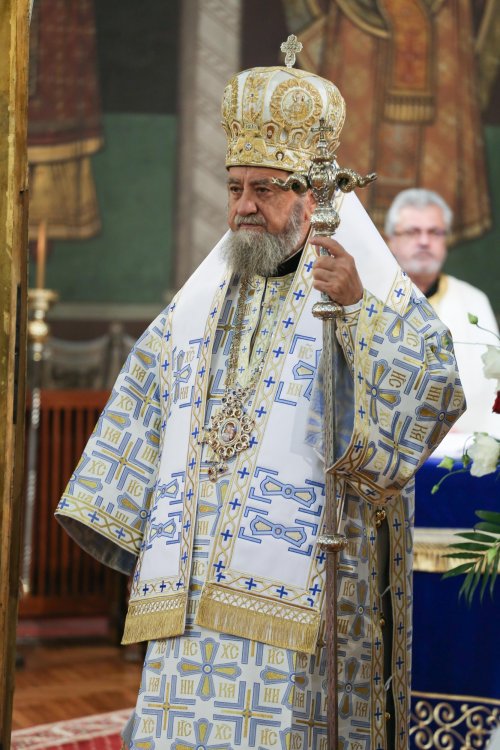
{"x": 417, "y": 227}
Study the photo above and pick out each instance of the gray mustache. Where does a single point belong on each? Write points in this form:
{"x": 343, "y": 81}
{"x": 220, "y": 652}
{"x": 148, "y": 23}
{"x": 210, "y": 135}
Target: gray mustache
{"x": 250, "y": 220}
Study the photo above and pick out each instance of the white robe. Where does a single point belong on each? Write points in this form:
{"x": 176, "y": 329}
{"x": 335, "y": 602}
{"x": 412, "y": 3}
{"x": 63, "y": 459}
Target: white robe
{"x": 452, "y": 303}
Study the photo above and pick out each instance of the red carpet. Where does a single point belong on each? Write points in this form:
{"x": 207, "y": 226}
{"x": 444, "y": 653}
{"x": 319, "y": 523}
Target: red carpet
{"x": 99, "y": 732}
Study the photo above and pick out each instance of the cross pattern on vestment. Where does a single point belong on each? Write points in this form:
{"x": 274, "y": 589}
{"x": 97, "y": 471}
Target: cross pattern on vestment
{"x": 166, "y": 706}
{"x": 248, "y": 713}
{"x": 312, "y": 721}
{"x": 291, "y": 48}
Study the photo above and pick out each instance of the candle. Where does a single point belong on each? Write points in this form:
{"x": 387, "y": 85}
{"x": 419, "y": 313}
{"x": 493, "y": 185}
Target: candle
{"x": 41, "y": 255}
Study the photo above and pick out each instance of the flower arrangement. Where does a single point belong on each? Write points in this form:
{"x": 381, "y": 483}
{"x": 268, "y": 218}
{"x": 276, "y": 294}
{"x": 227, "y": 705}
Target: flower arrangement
{"x": 480, "y": 552}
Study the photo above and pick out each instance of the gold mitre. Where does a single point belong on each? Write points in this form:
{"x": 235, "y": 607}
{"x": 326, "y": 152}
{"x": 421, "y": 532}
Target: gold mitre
{"x": 269, "y": 115}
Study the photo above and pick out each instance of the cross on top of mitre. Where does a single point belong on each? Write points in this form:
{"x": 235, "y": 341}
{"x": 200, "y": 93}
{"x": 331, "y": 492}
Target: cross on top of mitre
{"x": 322, "y": 129}
{"x": 291, "y": 48}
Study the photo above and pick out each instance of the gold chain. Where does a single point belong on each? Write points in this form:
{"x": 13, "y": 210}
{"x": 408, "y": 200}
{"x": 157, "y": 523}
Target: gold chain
{"x": 232, "y": 360}
{"x": 231, "y": 425}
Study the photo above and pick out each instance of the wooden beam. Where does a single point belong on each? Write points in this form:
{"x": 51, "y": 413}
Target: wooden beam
{"x": 14, "y": 43}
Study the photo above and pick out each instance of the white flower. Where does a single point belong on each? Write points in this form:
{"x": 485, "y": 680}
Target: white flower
{"x": 485, "y": 452}
{"x": 491, "y": 359}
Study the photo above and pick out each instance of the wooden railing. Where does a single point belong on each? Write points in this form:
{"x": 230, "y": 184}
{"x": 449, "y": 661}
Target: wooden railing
{"x": 64, "y": 580}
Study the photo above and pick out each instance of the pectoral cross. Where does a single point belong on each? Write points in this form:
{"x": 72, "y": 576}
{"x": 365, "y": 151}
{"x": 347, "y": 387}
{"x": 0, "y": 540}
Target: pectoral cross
{"x": 291, "y": 47}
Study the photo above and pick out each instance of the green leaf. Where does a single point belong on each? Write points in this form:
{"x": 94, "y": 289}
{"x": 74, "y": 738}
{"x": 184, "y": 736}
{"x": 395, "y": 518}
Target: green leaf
{"x": 471, "y": 585}
{"x": 486, "y": 576}
{"x": 471, "y": 546}
{"x": 463, "y": 555}
{"x": 467, "y": 587}
{"x": 434, "y": 489}
{"x": 490, "y": 555}
{"x": 446, "y": 463}
{"x": 485, "y": 526}
{"x": 473, "y": 319}
{"x": 458, "y": 570}
{"x": 475, "y": 536}
{"x": 494, "y": 573}
{"x": 489, "y": 515}
{"x": 466, "y": 460}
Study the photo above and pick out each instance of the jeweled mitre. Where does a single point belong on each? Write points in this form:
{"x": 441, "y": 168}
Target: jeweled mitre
{"x": 268, "y": 114}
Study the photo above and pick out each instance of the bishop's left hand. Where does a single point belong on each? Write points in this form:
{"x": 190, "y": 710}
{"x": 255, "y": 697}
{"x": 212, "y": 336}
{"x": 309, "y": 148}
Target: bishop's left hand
{"x": 336, "y": 274}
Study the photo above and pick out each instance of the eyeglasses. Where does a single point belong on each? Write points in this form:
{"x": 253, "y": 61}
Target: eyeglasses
{"x": 414, "y": 232}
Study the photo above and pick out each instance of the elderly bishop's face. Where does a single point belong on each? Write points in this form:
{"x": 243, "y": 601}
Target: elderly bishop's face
{"x": 268, "y": 224}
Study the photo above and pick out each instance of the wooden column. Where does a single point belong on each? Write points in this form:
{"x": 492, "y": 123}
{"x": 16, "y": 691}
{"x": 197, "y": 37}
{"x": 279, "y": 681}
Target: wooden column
{"x": 13, "y": 245}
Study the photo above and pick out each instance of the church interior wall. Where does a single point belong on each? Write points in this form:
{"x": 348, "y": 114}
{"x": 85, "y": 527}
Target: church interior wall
{"x": 124, "y": 271}
{"x": 478, "y": 261}
{"x": 129, "y": 261}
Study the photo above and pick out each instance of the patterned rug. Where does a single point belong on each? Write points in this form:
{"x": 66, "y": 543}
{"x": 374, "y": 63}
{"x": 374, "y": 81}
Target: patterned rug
{"x": 98, "y": 732}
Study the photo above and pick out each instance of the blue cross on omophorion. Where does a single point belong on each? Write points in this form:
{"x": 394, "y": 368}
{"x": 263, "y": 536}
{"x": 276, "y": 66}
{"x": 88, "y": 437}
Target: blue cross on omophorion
{"x": 181, "y": 375}
{"x": 282, "y": 592}
{"x": 371, "y": 310}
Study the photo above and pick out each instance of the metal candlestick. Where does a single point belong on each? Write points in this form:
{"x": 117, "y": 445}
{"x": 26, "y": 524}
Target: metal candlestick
{"x": 39, "y": 303}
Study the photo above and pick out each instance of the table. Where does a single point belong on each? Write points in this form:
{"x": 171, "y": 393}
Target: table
{"x": 456, "y": 648}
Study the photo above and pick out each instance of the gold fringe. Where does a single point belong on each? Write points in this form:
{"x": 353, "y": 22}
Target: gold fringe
{"x": 263, "y": 626}
{"x": 431, "y": 547}
{"x": 148, "y": 626}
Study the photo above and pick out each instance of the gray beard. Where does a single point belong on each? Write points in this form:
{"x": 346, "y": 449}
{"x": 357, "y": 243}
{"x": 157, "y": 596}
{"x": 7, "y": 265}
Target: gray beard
{"x": 253, "y": 252}
{"x": 419, "y": 266}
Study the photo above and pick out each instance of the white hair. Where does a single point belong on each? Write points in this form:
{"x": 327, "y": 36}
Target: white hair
{"x": 416, "y": 198}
